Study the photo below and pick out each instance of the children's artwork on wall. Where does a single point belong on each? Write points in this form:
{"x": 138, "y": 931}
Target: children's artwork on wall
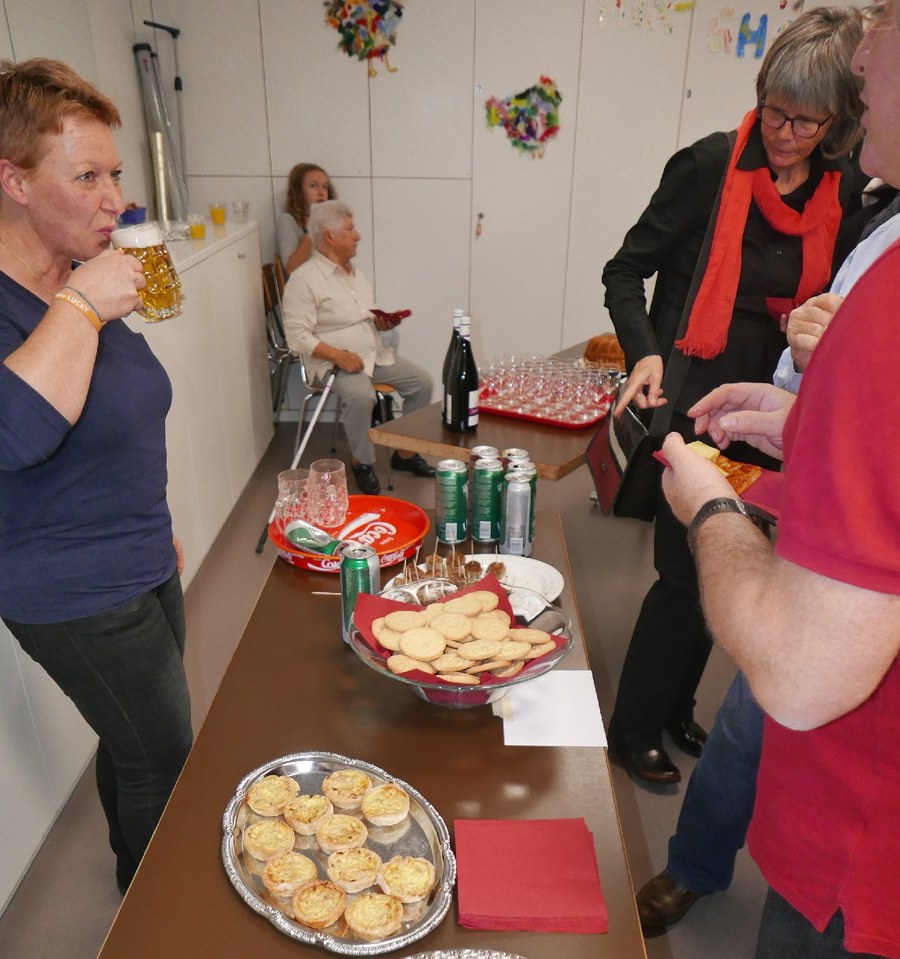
{"x": 648, "y": 14}
{"x": 530, "y": 118}
{"x": 367, "y": 28}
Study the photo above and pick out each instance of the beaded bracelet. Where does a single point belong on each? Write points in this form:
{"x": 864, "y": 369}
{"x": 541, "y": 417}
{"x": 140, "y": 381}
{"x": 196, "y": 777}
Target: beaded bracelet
{"x": 81, "y": 305}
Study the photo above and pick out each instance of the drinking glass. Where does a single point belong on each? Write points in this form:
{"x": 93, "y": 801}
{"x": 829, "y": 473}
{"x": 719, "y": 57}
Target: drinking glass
{"x": 217, "y": 212}
{"x": 328, "y": 497}
{"x": 161, "y": 297}
{"x": 241, "y": 210}
{"x": 293, "y": 497}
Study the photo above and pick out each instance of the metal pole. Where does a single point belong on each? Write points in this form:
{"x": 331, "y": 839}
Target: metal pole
{"x": 174, "y": 32}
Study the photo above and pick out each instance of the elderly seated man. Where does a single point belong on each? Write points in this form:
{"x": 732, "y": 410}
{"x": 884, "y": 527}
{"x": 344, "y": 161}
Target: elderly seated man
{"x": 328, "y": 317}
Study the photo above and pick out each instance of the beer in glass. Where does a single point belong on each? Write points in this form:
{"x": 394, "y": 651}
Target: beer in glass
{"x": 161, "y": 297}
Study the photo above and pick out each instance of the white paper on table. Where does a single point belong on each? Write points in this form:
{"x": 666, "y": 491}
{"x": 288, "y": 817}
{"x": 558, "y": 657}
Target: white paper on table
{"x": 559, "y": 708}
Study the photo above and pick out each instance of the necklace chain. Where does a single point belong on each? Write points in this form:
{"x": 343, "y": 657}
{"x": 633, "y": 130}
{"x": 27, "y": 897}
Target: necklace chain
{"x": 33, "y": 275}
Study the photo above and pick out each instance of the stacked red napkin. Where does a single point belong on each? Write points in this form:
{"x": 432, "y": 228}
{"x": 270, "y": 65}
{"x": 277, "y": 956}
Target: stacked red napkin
{"x": 536, "y": 875}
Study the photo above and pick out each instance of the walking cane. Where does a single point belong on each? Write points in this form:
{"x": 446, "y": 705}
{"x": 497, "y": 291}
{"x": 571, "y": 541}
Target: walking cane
{"x": 322, "y": 398}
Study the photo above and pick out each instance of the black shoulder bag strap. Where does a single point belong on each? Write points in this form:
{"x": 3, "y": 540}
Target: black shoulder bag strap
{"x": 679, "y": 363}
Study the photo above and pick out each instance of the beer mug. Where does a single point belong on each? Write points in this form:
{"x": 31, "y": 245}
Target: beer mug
{"x": 161, "y": 297}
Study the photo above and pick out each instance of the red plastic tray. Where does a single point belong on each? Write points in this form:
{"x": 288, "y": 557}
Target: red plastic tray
{"x": 395, "y": 534}
{"x": 485, "y": 405}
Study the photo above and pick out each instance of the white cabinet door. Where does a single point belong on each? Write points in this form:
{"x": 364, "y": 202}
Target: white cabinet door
{"x": 519, "y": 261}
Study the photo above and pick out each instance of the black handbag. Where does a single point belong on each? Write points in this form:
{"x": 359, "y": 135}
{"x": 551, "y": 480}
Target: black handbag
{"x": 620, "y": 459}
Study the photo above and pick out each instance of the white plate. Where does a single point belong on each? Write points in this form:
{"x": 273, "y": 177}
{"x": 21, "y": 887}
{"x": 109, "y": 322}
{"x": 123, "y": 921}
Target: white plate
{"x": 520, "y": 571}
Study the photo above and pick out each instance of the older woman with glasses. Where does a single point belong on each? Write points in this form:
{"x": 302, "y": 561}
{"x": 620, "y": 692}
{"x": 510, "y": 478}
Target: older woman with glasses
{"x": 781, "y": 191}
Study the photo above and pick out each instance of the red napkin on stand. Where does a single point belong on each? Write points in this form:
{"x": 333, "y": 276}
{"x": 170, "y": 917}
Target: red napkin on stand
{"x": 536, "y": 875}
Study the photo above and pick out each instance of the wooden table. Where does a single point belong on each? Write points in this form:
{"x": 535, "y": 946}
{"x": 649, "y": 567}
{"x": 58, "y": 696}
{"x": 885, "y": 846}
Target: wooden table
{"x": 555, "y": 451}
{"x": 294, "y": 686}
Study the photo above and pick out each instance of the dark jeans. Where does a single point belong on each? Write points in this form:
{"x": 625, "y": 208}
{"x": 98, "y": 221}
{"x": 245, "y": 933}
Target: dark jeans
{"x": 718, "y": 802}
{"x": 784, "y": 933}
{"x": 669, "y": 647}
{"x": 123, "y": 670}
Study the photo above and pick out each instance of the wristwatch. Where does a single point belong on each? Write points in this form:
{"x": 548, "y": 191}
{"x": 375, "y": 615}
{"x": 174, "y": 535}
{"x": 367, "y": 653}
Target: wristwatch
{"x": 726, "y": 504}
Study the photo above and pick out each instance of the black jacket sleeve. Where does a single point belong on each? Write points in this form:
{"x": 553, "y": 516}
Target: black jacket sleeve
{"x": 665, "y": 241}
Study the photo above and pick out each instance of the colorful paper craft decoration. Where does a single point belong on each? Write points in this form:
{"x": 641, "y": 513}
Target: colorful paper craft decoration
{"x": 367, "y": 28}
{"x": 530, "y": 118}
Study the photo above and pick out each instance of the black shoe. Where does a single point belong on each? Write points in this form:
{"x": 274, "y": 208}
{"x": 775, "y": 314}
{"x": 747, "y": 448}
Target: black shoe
{"x": 366, "y": 479}
{"x": 411, "y": 464}
{"x": 688, "y": 737}
{"x": 662, "y": 902}
{"x": 650, "y": 765}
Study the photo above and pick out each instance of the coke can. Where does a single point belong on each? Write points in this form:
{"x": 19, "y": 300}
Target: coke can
{"x": 487, "y": 500}
{"x": 360, "y": 573}
{"x": 515, "y": 522}
{"x": 451, "y": 502}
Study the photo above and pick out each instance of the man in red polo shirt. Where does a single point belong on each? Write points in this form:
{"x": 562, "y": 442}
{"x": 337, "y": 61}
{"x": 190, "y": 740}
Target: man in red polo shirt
{"x": 815, "y": 622}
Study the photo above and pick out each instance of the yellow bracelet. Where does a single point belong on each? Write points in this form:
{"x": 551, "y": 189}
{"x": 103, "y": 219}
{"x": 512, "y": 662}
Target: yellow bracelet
{"x": 81, "y": 306}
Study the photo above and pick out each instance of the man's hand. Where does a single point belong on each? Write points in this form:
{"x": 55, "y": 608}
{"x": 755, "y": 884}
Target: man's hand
{"x": 754, "y": 413}
{"x": 647, "y": 373}
{"x": 691, "y": 480}
{"x": 807, "y": 323}
{"x": 348, "y": 361}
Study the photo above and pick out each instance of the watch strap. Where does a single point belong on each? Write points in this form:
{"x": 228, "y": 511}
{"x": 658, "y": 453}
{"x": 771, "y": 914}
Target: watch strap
{"x": 726, "y": 504}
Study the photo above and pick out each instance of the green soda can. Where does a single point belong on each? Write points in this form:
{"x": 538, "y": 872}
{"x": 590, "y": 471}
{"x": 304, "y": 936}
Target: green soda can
{"x": 360, "y": 573}
{"x": 487, "y": 500}
{"x": 527, "y": 468}
{"x": 451, "y": 502}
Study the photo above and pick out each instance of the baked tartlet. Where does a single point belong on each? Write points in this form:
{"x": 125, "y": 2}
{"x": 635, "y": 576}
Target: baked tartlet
{"x": 374, "y": 916}
{"x": 409, "y": 878}
{"x": 346, "y": 787}
{"x": 268, "y": 795}
{"x": 339, "y": 833}
{"x": 318, "y": 904}
{"x": 268, "y": 838}
{"x": 285, "y": 874}
{"x": 385, "y": 805}
{"x": 354, "y": 869}
{"x": 304, "y": 813}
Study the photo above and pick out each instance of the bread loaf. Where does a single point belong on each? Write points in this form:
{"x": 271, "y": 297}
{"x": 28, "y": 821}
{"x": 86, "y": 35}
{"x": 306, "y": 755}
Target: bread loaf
{"x": 605, "y": 350}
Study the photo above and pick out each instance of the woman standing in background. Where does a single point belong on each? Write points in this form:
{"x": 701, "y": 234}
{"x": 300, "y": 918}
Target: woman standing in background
{"x": 307, "y": 184}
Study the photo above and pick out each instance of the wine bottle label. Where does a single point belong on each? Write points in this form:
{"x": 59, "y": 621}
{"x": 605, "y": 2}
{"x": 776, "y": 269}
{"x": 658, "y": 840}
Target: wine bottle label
{"x": 473, "y": 407}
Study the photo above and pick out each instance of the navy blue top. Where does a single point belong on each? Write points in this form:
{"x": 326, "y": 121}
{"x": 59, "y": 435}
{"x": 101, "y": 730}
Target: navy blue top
{"x": 84, "y": 523}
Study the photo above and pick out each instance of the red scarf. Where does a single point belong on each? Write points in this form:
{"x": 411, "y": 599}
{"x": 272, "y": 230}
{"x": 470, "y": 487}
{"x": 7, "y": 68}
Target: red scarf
{"x": 817, "y": 225}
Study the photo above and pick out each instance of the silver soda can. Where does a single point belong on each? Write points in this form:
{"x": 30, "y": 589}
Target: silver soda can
{"x": 487, "y": 500}
{"x": 515, "y": 521}
{"x": 515, "y": 453}
{"x": 451, "y": 502}
{"x": 527, "y": 468}
{"x": 360, "y": 573}
{"x": 485, "y": 453}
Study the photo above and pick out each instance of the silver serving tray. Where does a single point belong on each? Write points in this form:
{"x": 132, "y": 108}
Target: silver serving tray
{"x": 427, "y": 836}
{"x": 466, "y": 954}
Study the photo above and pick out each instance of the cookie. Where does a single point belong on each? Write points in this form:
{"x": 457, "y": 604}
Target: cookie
{"x": 489, "y": 600}
{"x": 489, "y": 628}
{"x": 507, "y": 672}
{"x": 468, "y": 605}
{"x": 403, "y": 619}
{"x": 513, "y": 649}
{"x": 479, "y": 649}
{"x": 530, "y": 635}
{"x": 398, "y": 663}
{"x": 452, "y": 625}
{"x": 461, "y": 679}
{"x": 422, "y": 643}
{"x": 389, "y": 638}
{"x": 540, "y": 649}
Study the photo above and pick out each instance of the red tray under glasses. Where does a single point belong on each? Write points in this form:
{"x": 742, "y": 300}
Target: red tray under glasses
{"x": 487, "y": 404}
{"x": 395, "y": 534}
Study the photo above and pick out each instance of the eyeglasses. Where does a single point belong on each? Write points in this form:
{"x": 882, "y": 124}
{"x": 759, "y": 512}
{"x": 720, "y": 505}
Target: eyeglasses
{"x": 803, "y": 127}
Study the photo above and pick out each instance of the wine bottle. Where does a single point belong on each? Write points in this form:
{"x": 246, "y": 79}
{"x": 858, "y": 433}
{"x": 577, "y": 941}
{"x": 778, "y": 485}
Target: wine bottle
{"x": 448, "y": 359}
{"x": 462, "y": 385}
